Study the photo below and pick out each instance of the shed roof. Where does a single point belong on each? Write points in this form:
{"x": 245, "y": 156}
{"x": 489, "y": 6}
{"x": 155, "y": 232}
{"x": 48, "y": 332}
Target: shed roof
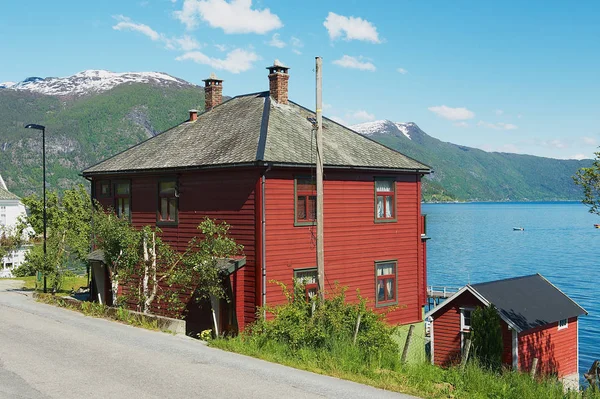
{"x": 251, "y": 129}
{"x": 523, "y": 302}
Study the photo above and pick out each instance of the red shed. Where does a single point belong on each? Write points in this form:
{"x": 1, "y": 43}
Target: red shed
{"x": 249, "y": 161}
{"x": 537, "y": 320}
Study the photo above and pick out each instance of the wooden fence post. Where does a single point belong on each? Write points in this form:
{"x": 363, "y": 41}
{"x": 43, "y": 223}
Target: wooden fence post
{"x": 534, "y": 364}
{"x": 407, "y": 343}
{"x": 465, "y": 356}
{"x": 356, "y": 329}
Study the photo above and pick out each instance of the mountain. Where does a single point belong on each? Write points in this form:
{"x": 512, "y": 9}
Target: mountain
{"x": 95, "y": 114}
{"x": 91, "y": 81}
{"x": 88, "y": 117}
{"x": 470, "y": 174}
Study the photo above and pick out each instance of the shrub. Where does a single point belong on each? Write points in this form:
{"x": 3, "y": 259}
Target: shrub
{"x": 486, "y": 335}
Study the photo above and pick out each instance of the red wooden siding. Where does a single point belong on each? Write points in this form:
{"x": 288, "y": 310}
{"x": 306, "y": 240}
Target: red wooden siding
{"x": 222, "y": 195}
{"x": 556, "y": 349}
{"x": 353, "y": 241}
{"x": 446, "y": 330}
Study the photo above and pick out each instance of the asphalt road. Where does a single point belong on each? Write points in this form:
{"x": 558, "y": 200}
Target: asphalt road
{"x": 48, "y": 352}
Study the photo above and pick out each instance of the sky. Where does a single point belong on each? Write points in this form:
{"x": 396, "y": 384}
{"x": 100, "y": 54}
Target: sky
{"x": 510, "y": 76}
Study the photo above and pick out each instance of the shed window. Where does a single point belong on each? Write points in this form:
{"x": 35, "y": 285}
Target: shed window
{"x": 465, "y": 319}
{"x": 385, "y": 194}
{"x": 306, "y": 201}
{"x": 123, "y": 199}
{"x": 309, "y": 278}
{"x": 167, "y": 201}
{"x": 385, "y": 283}
{"x": 564, "y": 323}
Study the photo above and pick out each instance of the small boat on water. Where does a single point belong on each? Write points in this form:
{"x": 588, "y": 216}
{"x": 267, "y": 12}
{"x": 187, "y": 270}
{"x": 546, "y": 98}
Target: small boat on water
{"x": 518, "y": 228}
{"x": 597, "y": 226}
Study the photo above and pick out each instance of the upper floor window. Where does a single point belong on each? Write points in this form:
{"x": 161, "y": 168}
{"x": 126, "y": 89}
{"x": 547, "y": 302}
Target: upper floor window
{"x": 306, "y": 201}
{"x": 167, "y": 201}
{"x": 123, "y": 199}
{"x": 385, "y": 194}
{"x": 309, "y": 278}
{"x": 385, "y": 283}
{"x": 2, "y": 216}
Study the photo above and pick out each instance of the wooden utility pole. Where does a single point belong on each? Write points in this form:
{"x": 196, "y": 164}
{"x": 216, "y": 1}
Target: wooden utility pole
{"x": 320, "y": 255}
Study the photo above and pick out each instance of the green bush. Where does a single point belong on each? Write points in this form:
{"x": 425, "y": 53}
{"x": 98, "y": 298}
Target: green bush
{"x": 486, "y": 335}
{"x": 327, "y": 328}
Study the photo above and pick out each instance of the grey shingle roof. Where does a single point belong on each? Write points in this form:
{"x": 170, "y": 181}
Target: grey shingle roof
{"x": 7, "y": 195}
{"x": 253, "y": 128}
{"x": 529, "y": 301}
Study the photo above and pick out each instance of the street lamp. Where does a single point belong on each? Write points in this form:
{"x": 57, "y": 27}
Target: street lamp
{"x": 43, "y": 129}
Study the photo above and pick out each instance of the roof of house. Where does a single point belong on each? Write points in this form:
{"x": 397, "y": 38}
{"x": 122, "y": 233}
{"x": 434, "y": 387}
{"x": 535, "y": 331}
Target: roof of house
{"x": 251, "y": 129}
{"x": 7, "y": 195}
{"x": 524, "y": 302}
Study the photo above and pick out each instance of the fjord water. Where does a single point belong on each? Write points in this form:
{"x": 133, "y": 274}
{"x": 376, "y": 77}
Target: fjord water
{"x": 475, "y": 242}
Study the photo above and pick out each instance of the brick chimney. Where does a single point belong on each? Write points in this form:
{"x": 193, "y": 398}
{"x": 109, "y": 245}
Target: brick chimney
{"x": 213, "y": 90}
{"x": 278, "y": 82}
{"x": 193, "y": 115}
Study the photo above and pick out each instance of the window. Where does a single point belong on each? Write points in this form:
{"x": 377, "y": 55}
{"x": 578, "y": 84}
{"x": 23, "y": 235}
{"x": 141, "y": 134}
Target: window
{"x": 309, "y": 278}
{"x": 167, "y": 202}
{"x": 123, "y": 199}
{"x": 306, "y": 201}
{"x": 2, "y": 216}
{"x": 103, "y": 189}
{"x": 465, "y": 319}
{"x": 385, "y": 190}
{"x": 564, "y": 323}
{"x": 385, "y": 283}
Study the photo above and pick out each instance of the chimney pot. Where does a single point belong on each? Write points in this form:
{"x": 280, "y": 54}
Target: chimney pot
{"x": 213, "y": 92}
{"x": 193, "y": 115}
{"x": 278, "y": 81}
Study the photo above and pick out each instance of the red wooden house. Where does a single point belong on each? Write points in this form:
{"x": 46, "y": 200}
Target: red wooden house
{"x": 249, "y": 161}
{"x": 537, "y": 320}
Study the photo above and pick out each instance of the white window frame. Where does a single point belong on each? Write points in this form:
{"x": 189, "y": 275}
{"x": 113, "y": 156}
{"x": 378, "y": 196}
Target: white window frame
{"x": 562, "y": 324}
{"x": 463, "y": 327}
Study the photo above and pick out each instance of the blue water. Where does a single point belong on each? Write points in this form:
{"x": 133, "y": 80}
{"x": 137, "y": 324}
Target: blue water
{"x": 475, "y": 242}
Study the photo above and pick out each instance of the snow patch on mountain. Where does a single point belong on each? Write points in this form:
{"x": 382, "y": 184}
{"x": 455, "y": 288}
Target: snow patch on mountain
{"x": 384, "y": 127}
{"x": 93, "y": 81}
{"x": 6, "y": 85}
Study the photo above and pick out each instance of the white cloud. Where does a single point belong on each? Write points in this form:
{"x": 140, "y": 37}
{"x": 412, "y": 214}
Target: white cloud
{"x": 355, "y": 63}
{"x": 579, "y": 157}
{"x": 296, "y": 51}
{"x": 350, "y": 28}
{"x": 402, "y": 71}
{"x": 276, "y": 41}
{"x": 519, "y": 116}
{"x": 453, "y": 114}
{"x": 295, "y": 42}
{"x": 461, "y": 124}
{"x": 363, "y": 115}
{"x": 221, "y": 47}
{"x": 235, "y": 16}
{"x": 589, "y": 140}
{"x": 185, "y": 43}
{"x": 498, "y": 112}
{"x": 497, "y": 126}
{"x": 327, "y": 106}
{"x": 126, "y": 23}
{"x": 236, "y": 61}
{"x": 339, "y": 120}
{"x": 555, "y": 144}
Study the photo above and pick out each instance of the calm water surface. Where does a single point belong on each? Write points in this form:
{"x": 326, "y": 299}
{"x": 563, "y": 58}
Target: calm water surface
{"x": 475, "y": 242}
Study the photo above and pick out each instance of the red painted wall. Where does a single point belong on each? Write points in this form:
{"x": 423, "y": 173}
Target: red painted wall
{"x": 556, "y": 349}
{"x": 446, "y": 330}
{"x": 352, "y": 240}
{"x": 222, "y": 195}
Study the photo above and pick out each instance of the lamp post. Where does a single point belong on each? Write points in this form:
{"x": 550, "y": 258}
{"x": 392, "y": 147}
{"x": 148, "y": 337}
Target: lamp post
{"x": 43, "y": 129}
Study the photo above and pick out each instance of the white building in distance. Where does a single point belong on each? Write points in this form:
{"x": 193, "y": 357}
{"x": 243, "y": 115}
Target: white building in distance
{"x": 11, "y": 208}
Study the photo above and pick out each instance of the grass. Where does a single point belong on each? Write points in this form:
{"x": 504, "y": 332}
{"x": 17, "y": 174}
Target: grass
{"x": 71, "y": 283}
{"x": 94, "y": 309}
{"x": 423, "y": 380}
